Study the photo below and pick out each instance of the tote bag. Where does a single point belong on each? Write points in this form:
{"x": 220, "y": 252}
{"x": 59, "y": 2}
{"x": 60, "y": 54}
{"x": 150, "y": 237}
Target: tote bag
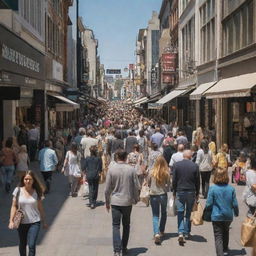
{"x": 248, "y": 232}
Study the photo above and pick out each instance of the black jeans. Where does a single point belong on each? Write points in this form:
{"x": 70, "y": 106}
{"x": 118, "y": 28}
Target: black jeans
{"x": 28, "y": 234}
{"x": 221, "y": 235}
{"x": 118, "y": 213}
{"x": 32, "y": 148}
{"x": 205, "y": 178}
{"x": 47, "y": 179}
{"x": 93, "y": 190}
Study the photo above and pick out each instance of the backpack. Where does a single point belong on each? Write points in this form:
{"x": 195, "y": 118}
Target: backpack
{"x": 205, "y": 165}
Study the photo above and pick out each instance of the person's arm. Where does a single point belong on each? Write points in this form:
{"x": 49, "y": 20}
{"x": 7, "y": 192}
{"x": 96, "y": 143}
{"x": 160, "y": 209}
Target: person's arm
{"x": 235, "y": 203}
{"x": 174, "y": 181}
{"x": 42, "y": 213}
{"x": 100, "y": 165}
{"x": 136, "y": 188}
{"x": 108, "y": 190}
{"x": 209, "y": 202}
{"x": 197, "y": 182}
{"x": 55, "y": 158}
{"x": 12, "y": 213}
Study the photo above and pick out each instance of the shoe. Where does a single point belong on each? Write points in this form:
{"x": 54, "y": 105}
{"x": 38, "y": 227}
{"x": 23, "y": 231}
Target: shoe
{"x": 124, "y": 251}
{"x": 92, "y": 206}
{"x": 181, "y": 239}
{"x": 225, "y": 253}
{"x": 161, "y": 234}
{"x": 187, "y": 236}
{"x": 117, "y": 254}
{"x": 157, "y": 239}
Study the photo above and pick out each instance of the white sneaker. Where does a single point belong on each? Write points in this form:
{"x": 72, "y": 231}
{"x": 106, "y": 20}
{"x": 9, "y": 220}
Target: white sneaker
{"x": 157, "y": 239}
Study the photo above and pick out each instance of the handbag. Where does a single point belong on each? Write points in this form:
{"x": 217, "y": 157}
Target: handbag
{"x": 145, "y": 194}
{"x": 19, "y": 214}
{"x": 197, "y": 215}
{"x": 207, "y": 213}
{"x": 172, "y": 209}
{"x": 248, "y": 232}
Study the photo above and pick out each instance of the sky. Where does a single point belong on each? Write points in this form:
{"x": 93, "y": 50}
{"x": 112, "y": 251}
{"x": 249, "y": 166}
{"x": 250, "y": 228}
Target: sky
{"x": 116, "y": 24}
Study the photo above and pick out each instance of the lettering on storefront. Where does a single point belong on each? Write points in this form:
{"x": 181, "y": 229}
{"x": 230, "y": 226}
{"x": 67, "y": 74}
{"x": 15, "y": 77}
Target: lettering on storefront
{"x": 20, "y": 59}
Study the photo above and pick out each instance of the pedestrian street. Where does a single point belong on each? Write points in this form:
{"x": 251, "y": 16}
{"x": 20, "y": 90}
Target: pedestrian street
{"x": 76, "y": 230}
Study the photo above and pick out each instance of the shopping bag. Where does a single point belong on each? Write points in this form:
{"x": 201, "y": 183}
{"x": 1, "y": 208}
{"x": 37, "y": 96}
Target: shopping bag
{"x": 172, "y": 209}
{"x": 248, "y": 232}
{"x": 144, "y": 194}
{"x": 84, "y": 189}
{"x": 197, "y": 215}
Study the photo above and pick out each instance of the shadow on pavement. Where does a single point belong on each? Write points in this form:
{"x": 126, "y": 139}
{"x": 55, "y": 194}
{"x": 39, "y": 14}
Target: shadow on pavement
{"x": 198, "y": 238}
{"x": 137, "y": 251}
{"x": 168, "y": 236}
{"x": 237, "y": 252}
{"x": 52, "y": 205}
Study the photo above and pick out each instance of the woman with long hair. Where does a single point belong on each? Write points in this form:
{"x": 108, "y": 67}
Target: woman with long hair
{"x": 159, "y": 183}
{"x": 222, "y": 205}
{"x": 28, "y": 196}
{"x": 204, "y": 161}
{"x": 23, "y": 161}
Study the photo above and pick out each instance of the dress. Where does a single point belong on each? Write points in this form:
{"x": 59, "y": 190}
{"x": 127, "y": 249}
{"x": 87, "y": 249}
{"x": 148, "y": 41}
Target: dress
{"x": 74, "y": 163}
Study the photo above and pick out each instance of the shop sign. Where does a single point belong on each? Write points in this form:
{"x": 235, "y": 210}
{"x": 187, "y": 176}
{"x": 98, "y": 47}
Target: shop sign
{"x": 169, "y": 62}
{"x": 19, "y": 57}
{"x": 155, "y": 106}
{"x": 26, "y": 93}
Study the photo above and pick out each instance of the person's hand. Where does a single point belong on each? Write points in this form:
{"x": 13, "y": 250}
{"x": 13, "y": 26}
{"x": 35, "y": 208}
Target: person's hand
{"x": 253, "y": 188}
{"x": 107, "y": 207}
{"x": 45, "y": 226}
{"x": 11, "y": 225}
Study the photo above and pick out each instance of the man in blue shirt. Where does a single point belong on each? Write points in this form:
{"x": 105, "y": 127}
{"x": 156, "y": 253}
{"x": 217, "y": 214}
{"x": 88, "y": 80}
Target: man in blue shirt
{"x": 48, "y": 161}
{"x": 157, "y": 138}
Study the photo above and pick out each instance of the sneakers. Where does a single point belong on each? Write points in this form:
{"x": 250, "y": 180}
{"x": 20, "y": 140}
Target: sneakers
{"x": 117, "y": 253}
{"x": 181, "y": 239}
{"x": 157, "y": 239}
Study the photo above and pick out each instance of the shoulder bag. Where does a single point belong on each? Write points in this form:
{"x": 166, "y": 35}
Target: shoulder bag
{"x": 19, "y": 214}
{"x": 248, "y": 232}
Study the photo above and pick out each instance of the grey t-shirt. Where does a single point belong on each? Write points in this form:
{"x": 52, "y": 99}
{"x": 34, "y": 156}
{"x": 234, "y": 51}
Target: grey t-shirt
{"x": 28, "y": 205}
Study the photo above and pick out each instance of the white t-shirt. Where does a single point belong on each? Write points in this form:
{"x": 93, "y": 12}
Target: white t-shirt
{"x": 177, "y": 157}
{"x": 22, "y": 162}
{"x": 29, "y": 205}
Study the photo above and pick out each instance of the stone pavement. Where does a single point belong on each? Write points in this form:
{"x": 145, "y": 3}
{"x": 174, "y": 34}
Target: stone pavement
{"x": 76, "y": 230}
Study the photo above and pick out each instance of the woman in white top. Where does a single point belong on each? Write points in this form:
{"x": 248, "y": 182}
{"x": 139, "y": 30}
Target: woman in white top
{"x": 28, "y": 196}
{"x": 23, "y": 161}
{"x": 72, "y": 164}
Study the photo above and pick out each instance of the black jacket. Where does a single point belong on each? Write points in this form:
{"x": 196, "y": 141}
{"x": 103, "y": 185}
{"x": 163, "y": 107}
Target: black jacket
{"x": 93, "y": 167}
{"x": 186, "y": 177}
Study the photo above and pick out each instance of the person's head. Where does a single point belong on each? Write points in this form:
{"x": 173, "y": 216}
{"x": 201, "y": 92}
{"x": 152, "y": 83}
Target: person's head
{"x": 141, "y": 133}
{"x": 204, "y": 146}
{"x": 81, "y": 131}
{"x": 9, "y": 142}
{"x": 121, "y": 155}
{"x": 169, "y": 134}
{"x": 194, "y": 148}
{"x": 93, "y": 150}
{"x": 180, "y": 148}
{"x": 47, "y": 143}
{"x": 136, "y": 148}
{"x": 28, "y": 180}
{"x": 118, "y": 135}
{"x": 160, "y": 171}
{"x": 23, "y": 149}
{"x": 131, "y": 133}
{"x": 187, "y": 154}
{"x": 157, "y": 129}
{"x": 224, "y": 148}
{"x": 74, "y": 147}
{"x": 154, "y": 146}
{"x": 253, "y": 161}
{"x": 102, "y": 132}
{"x": 181, "y": 133}
{"x": 242, "y": 157}
{"x": 90, "y": 133}
{"x": 221, "y": 176}
{"x": 187, "y": 123}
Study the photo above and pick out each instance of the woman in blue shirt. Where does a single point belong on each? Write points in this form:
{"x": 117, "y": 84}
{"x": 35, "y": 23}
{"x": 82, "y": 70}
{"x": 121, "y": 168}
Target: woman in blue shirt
{"x": 222, "y": 204}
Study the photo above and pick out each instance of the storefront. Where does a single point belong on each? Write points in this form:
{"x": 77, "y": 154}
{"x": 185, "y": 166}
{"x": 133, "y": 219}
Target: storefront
{"x": 22, "y": 74}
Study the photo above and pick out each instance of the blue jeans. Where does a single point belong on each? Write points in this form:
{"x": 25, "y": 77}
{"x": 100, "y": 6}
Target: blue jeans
{"x": 8, "y": 172}
{"x": 28, "y": 234}
{"x": 184, "y": 202}
{"x": 156, "y": 202}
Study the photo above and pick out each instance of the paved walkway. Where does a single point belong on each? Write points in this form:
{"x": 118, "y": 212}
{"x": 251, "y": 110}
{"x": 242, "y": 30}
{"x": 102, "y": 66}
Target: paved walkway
{"x": 76, "y": 230}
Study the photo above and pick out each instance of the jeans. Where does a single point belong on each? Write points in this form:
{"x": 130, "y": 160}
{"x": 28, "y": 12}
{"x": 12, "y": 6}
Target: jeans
{"x": 118, "y": 213}
{"x": 7, "y": 172}
{"x": 185, "y": 202}
{"x": 32, "y": 148}
{"x": 205, "y": 178}
{"x": 47, "y": 179}
{"x": 93, "y": 190}
{"x": 156, "y": 202}
{"x": 28, "y": 234}
{"x": 221, "y": 235}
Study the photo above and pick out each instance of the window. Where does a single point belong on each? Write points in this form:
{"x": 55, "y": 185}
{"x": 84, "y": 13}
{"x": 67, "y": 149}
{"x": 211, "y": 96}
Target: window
{"x": 207, "y": 31}
{"x": 238, "y": 29}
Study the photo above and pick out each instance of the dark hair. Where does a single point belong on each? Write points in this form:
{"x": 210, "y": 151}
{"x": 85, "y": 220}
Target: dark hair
{"x": 253, "y": 161}
{"x": 35, "y": 185}
{"x": 141, "y": 133}
{"x": 154, "y": 146}
{"x": 204, "y": 146}
{"x": 9, "y": 142}
{"x": 118, "y": 135}
{"x": 94, "y": 150}
{"x": 90, "y": 133}
{"x": 121, "y": 155}
{"x": 136, "y": 147}
{"x": 74, "y": 147}
{"x": 47, "y": 143}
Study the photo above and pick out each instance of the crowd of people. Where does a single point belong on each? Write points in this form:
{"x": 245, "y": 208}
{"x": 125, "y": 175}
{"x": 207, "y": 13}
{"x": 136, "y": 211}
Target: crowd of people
{"x": 131, "y": 151}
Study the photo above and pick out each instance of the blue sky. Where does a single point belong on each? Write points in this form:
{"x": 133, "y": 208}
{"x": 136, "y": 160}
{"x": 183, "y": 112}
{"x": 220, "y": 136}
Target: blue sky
{"x": 116, "y": 24}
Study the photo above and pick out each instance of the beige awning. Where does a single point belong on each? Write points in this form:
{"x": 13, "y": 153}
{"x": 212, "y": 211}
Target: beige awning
{"x": 170, "y": 96}
{"x": 102, "y": 99}
{"x": 237, "y": 86}
{"x": 199, "y": 91}
{"x": 141, "y": 100}
{"x": 68, "y": 104}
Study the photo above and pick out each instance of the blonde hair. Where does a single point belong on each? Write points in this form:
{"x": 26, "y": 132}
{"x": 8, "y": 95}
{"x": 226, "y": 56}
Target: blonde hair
{"x": 160, "y": 171}
{"x": 23, "y": 149}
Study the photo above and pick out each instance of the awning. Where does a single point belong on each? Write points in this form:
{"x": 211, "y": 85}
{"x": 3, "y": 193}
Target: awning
{"x": 68, "y": 105}
{"x": 141, "y": 100}
{"x": 170, "y": 96}
{"x": 237, "y": 86}
{"x": 102, "y": 100}
{"x": 199, "y": 91}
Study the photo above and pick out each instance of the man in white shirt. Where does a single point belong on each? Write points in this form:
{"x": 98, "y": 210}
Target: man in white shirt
{"x": 177, "y": 157}
{"x": 87, "y": 142}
